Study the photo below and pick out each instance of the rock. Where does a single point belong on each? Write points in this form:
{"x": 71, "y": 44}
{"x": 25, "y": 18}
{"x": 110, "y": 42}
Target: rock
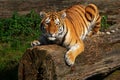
{"x": 116, "y": 29}
{"x": 107, "y": 32}
{"x": 112, "y": 31}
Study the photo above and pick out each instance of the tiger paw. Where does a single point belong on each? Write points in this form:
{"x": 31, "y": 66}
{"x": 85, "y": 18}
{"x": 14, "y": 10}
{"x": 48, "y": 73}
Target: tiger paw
{"x": 35, "y": 43}
{"x": 69, "y": 58}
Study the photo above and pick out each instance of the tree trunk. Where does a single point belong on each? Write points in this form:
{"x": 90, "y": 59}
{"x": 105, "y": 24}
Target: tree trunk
{"x": 101, "y": 56}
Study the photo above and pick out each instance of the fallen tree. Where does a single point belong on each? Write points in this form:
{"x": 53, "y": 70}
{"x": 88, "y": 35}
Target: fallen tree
{"x": 101, "y": 56}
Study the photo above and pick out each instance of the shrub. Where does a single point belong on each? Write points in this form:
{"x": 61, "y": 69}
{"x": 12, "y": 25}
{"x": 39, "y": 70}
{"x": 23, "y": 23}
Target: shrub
{"x": 19, "y": 26}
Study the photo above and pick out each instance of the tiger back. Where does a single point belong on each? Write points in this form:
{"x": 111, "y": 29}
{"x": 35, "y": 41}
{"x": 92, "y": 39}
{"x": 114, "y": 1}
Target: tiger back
{"x": 84, "y": 19}
{"x": 68, "y": 28}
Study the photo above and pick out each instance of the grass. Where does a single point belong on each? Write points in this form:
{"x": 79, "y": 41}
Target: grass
{"x": 10, "y": 55}
{"x": 16, "y": 33}
{"x": 11, "y": 52}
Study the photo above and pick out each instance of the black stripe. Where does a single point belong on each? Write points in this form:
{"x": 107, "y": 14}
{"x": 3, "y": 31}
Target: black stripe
{"x": 63, "y": 39}
{"x": 82, "y": 19}
{"x": 70, "y": 19}
{"x": 80, "y": 8}
{"x": 73, "y": 20}
{"x": 89, "y": 15}
{"x": 92, "y": 7}
{"x": 98, "y": 18}
{"x": 97, "y": 23}
{"x": 81, "y": 25}
{"x": 83, "y": 22}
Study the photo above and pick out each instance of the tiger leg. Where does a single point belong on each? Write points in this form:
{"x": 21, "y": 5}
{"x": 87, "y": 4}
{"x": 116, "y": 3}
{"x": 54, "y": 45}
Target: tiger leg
{"x": 41, "y": 41}
{"x": 73, "y": 52}
{"x": 35, "y": 43}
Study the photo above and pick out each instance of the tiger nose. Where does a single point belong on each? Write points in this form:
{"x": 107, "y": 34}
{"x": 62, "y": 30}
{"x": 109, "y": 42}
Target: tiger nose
{"x": 53, "y": 35}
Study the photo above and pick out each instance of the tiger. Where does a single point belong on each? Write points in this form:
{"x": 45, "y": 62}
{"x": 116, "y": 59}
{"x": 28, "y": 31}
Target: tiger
{"x": 68, "y": 28}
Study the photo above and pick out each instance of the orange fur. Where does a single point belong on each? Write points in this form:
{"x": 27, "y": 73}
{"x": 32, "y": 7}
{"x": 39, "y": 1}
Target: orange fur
{"x": 69, "y": 28}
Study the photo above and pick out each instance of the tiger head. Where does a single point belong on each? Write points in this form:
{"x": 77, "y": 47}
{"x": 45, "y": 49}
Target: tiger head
{"x": 52, "y": 24}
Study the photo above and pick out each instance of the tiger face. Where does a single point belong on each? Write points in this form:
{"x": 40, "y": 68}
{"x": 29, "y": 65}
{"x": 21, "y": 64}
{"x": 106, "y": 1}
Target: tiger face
{"x": 52, "y": 25}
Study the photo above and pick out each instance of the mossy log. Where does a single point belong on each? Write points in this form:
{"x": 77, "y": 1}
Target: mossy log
{"x": 101, "y": 56}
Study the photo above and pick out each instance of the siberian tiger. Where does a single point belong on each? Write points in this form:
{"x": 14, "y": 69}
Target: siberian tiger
{"x": 69, "y": 28}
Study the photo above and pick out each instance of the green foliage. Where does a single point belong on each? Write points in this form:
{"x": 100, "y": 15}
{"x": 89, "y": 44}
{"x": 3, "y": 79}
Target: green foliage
{"x": 104, "y": 23}
{"x": 16, "y": 33}
{"x": 17, "y": 25}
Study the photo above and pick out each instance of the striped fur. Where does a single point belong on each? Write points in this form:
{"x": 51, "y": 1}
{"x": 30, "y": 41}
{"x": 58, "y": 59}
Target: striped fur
{"x": 69, "y": 28}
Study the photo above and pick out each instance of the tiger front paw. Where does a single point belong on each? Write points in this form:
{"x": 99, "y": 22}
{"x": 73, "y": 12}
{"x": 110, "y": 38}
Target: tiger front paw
{"x": 69, "y": 58}
{"x": 35, "y": 43}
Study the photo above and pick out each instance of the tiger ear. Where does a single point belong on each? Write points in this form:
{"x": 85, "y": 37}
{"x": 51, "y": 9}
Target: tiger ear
{"x": 63, "y": 14}
{"x": 43, "y": 14}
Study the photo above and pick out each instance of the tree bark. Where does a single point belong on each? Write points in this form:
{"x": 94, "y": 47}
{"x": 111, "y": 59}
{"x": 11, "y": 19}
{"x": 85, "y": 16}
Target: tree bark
{"x": 101, "y": 56}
